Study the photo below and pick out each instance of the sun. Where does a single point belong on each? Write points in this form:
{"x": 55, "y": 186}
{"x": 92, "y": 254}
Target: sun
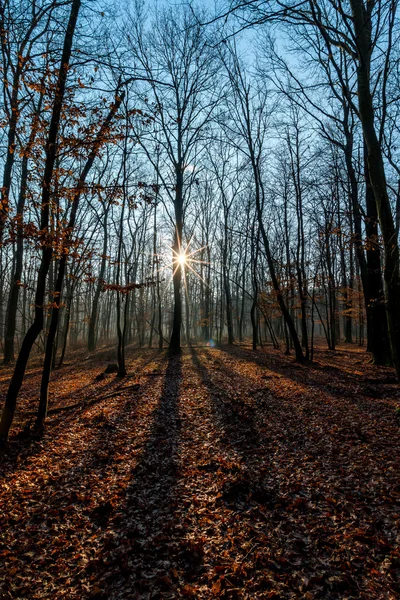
{"x": 181, "y": 259}
{"x": 185, "y": 260}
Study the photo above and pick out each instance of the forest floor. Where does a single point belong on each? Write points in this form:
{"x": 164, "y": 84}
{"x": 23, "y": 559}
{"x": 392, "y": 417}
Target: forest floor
{"x": 224, "y": 473}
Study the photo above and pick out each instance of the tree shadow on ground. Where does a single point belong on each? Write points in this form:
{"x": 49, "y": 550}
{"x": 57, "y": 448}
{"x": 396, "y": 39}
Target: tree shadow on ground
{"x": 85, "y": 484}
{"x": 141, "y": 545}
{"x": 21, "y": 447}
{"x": 234, "y": 417}
{"x": 240, "y": 435}
{"x": 295, "y": 462}
{"x": 336, "y": 381}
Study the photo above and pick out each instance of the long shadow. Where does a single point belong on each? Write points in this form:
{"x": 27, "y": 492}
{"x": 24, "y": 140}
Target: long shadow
{"x": 20, "y": 448}
{"x": 317, "y": 413}
{"x": 239, "y": 403}
{"x": 109, "y": 383}
{"x": 335, "y": 434}
{"x": 327, "y": 378}
{"x": 145, "y": 519}
{"x": 240, "y": 433}
{"x": 74, "y": 502}
{"x": 300, "y": 483}
{"x": 235, "y": 417}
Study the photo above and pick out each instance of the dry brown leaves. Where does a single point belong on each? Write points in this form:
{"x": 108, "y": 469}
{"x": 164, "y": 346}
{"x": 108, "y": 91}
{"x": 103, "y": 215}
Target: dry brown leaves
{"x": 226, "y": 474}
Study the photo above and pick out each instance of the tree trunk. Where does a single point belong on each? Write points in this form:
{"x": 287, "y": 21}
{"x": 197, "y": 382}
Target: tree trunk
{"x": 47, "y": 250}
{"x": 175, "y": 342}
{"x": 377, "y": 324}
{"x": 362, "y": 28}
{"x": 44, "y": 386}
{"x": 99, "y": 287}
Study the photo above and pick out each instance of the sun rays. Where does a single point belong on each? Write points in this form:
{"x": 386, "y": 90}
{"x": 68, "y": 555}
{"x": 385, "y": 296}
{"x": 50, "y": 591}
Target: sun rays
{"x": 187, "y": 261}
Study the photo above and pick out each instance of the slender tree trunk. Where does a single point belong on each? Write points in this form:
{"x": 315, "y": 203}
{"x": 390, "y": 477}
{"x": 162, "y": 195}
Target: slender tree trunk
{"x": 12, "y": 304}
{"x": 175, "y": 342}
{"x": 159, "y": 305}
{"x": 11, "y": 138}
{"x": 67, "y": 318}
{"x": 279, "y": 297}
{"x": 121, "y": 329}
{"x": 255, "y": 241}
{"x": 47, "y": 250}
{"x": 242, "y": 304}
{"x": 227, "y": 289}
{"x": 99, "y": 287}
{"x": 187, "y": 305}
{"x": 44, "y": 387}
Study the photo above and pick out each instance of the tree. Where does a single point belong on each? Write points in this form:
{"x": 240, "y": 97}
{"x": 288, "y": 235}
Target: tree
{"x": 101, "y": 138}
{"x": 251, "y": 126}
{"x": 47, "y": 247}
{"x": 22, "y": 28}
{"x": 180, "y": 69}
{"x": 358, "y": 34}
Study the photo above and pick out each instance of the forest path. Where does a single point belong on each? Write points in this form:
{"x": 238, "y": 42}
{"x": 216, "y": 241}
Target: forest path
{"x": 227, "y": 473}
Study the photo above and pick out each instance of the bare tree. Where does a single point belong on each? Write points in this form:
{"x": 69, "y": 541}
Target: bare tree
{"x": 180, "y": 69}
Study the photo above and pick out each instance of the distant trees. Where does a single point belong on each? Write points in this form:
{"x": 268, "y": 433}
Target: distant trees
{"x": 179, "y": 67}
{"x": 250, "y": 122}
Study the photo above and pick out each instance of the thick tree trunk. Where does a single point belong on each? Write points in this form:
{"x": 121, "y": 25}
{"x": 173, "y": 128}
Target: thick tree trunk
{"x": 362, "y": 29}
{"x": 370, "y": 267}
{"x": 377, "y": 324}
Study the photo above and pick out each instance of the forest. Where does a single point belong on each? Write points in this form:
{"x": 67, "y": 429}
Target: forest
{"x": 200, "y": 299}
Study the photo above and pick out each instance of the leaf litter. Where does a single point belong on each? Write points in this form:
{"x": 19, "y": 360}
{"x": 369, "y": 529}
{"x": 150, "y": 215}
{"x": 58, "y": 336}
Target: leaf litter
{"x": 223, "y": 473}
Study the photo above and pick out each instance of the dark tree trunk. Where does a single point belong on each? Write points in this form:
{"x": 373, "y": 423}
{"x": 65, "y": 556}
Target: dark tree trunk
{"x": 377, "y": 324}
{"x": 99, "y": 287}
{"x": 175, "y": 342}
{"x": 377, "y": 177}
{"x": 44, "y": 386}
{"x": 47, "y": 250}
{"x": 67, "y": 318}
{"x": 12, "y": 304}
{"x": 11, "y": 138}
{"x": 279, "y": 296}
{"x": 228, "y": 295}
